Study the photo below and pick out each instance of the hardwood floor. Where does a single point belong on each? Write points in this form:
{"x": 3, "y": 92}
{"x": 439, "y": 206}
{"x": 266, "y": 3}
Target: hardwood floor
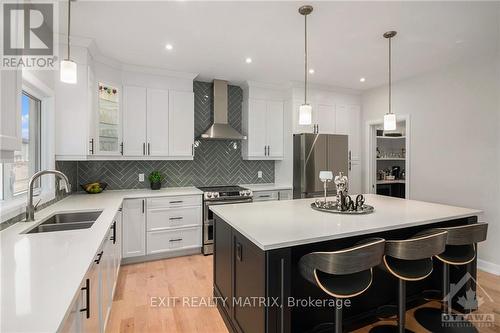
{"x": 137, "y": 306}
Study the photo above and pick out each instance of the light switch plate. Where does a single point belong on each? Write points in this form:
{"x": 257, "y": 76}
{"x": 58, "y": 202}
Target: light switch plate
{"x": 141, "y": 177}
{"x": 259, "y": 174}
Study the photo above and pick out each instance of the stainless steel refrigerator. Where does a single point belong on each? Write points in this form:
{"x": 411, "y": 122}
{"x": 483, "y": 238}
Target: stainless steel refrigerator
{"x": 313, "y": 153}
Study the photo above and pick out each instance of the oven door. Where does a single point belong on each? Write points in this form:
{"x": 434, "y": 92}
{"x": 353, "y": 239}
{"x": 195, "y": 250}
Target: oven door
{"x": 208, "y": 217}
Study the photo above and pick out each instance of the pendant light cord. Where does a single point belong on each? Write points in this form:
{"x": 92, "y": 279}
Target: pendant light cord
{"x": 69, "y": 25}
{"x": 305, "y": 59}
{"x": 390, "y": 76}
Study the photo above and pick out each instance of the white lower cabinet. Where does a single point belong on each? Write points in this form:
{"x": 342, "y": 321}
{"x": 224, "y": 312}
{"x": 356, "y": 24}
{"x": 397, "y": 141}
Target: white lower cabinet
{"x": 286, "y": 194}
{"x": 134, "y": 227}
{"x": 90, "y": 310}
{"x": 173, "y": 223}
{"x": 174, "y": 239}
{"x": 272, "y": 195}
{"x": 161, "y": 224}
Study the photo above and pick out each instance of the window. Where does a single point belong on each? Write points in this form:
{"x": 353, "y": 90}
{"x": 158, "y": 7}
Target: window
{"x": 16, "y": 175}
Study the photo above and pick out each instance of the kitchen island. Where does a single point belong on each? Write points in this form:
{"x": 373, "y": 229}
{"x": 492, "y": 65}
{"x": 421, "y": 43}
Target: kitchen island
{"x": 258, "y": 246}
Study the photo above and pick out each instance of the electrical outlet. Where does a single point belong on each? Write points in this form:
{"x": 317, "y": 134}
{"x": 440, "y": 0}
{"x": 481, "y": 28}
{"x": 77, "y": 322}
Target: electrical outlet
{"x": 141, "y": 177}
{"x": 259, "y": 174}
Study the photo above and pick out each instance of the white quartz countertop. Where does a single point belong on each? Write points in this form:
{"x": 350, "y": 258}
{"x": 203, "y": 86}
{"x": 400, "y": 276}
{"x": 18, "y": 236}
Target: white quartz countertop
{"x": 277, "y": 224}
{"x": 267, "y": 187}
{"x": 42, "y": 272}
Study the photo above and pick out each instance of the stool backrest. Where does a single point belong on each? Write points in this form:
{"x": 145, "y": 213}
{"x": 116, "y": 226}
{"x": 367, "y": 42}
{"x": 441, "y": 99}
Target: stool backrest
{"x": 466, "y": 234}
{"x": 360, "y": 257}
{"x": 421, "y": 246}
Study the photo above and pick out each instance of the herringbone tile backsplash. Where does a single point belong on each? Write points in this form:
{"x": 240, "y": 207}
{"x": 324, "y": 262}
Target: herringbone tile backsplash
{"x": 215, "y": 162}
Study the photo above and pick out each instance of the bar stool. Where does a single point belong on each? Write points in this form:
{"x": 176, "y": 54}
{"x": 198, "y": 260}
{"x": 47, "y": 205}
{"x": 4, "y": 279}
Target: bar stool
{"x": 410, "y": 260}
{"x": 344, "y": 273}
{"x": 460, "y": 250}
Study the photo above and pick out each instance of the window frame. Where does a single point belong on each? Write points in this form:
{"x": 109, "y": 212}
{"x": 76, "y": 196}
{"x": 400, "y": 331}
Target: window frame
{"x": 40, "y": 87}
{"x": 38, "y": 187}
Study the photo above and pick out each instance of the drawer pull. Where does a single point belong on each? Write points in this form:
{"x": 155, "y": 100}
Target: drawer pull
{"x": 176, "y": 201}
{"x": 175, "y": 240}
{"x": 176, "y": 218}
{"x": 265, "y": 196}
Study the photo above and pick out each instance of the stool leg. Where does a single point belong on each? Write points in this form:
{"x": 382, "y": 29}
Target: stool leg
{"x": 402, "y": 306}
{"x": 338, "y": 318}
{"x": 446, "y": 287}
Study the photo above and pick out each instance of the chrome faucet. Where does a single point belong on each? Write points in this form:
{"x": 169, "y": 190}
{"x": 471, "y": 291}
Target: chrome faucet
{"x": 30, "y": 209}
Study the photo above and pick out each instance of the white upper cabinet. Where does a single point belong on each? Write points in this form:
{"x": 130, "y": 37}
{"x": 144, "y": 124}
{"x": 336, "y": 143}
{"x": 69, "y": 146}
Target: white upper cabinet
{"x": 324, "y": 115}
{"x": 181, "y": 124}
{"x": 134, "y": 121}
{"x": 355, "y": 131}
{"x": 10, "y": 111}
{"x": 348, "y": 123}
{"x": 262, "y": 123}
{"x": 107, "y": 138}
{"x": 73, "y": 116}
{"x": 323, "y": 118}
{"x": 158, "y": 125}
{"x": 254, "y": 125}
{"x": 274, "y": 130}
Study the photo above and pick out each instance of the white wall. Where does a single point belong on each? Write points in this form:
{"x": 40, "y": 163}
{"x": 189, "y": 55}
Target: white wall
{"x": 455, "y": 141}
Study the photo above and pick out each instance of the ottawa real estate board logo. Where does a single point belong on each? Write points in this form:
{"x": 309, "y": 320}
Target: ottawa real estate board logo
{"x": 29, "y": 35}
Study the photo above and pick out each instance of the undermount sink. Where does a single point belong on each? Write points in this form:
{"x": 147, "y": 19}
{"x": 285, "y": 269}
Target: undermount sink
{"x": 67, "y": 221}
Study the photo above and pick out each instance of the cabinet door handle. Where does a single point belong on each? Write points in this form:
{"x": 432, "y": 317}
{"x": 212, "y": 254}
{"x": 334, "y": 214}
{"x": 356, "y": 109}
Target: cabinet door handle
{"x": 268, "y": 150}
{"x": 192, "y": 150}
{"x": 176, "y": 201}
{"x": 175, "y": 240}
{"x": 350, "y": 155}
{"x": 176, "y": 218}
{"x": 349, "y": 165}
{"x": 149, "y": 148}
{"x": 239, "y": 252}
{"x": 91, "y": 146}
{"x": 143, "y": 148}
{"x": 86, "y": 309}
{"x": 143, "y": 206}
{"x": 265, "y": 150}
{"x": 121, "y": 148}
{"x": 113, "y": 238}
{"x": 99, "y": 256}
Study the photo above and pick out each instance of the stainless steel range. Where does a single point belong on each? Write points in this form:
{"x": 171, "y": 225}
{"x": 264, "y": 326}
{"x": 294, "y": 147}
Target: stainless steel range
{"x": 219, "y": 195}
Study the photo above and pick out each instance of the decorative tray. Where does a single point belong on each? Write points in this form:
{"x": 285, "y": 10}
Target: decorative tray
{"x": 331, "y": 207}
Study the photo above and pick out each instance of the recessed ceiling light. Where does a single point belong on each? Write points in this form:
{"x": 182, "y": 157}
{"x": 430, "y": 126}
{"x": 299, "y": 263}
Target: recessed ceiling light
{"x": 248, "y": 60}
{"x": 169, "y": 47}
{"x": 362, "y": 79}
{"x": 311, "y": 71}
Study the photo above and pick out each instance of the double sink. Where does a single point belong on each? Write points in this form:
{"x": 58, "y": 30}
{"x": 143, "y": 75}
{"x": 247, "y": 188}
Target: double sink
{"x": 67, "y": 221}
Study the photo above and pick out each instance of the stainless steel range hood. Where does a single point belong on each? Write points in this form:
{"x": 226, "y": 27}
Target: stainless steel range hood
{"x": 220, "y": 129}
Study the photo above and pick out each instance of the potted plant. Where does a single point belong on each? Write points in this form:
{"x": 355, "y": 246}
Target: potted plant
{"x": 155, "y": 179}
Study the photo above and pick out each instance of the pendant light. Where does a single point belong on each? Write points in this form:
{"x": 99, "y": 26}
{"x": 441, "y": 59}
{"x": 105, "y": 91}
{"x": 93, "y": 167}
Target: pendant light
{"x": 68, "y": 67}
{"x": 390, "y": 118}
{"x": 305, "y": 110}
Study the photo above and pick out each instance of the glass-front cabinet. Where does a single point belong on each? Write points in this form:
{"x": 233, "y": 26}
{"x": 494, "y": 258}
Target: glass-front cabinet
{"x": 108, "y": 139}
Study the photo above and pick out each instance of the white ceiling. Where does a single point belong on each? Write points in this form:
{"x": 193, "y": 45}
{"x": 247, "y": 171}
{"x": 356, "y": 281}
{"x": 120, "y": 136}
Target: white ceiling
{"x": 345, "y": 38}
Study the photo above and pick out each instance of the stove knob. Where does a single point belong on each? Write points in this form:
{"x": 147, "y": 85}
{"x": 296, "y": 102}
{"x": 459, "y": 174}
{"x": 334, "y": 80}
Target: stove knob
{"x": 209, "y": 195}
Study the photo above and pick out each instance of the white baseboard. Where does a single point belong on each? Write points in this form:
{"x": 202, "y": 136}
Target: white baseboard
{"x": 488, "y": 267}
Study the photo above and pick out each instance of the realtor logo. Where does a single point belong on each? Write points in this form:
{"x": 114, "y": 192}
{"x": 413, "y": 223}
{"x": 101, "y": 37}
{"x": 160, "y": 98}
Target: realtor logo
{"x": 470, "y": 303}
{"x": 28, "y": 36}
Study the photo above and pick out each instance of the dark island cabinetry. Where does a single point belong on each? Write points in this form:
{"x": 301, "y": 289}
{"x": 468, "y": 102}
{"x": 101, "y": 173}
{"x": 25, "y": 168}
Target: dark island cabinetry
{"x": 249, "y": 282}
